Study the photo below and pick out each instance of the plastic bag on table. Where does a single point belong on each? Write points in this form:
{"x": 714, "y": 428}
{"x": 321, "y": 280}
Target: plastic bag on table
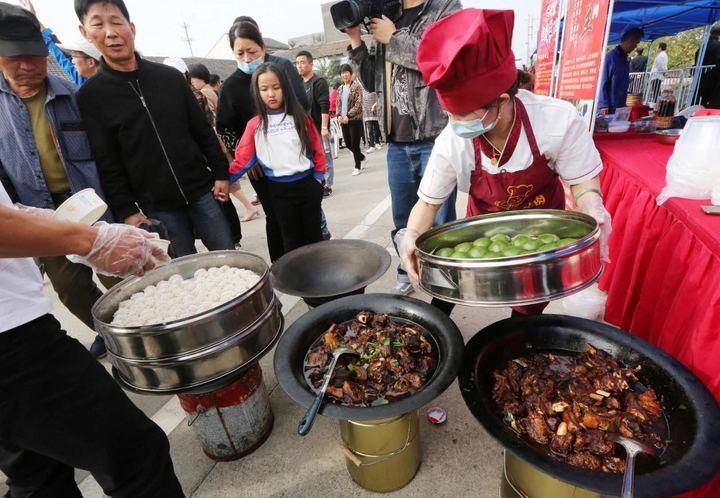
{"x": 692, "y": 170}
{"x": 588, "y": 303}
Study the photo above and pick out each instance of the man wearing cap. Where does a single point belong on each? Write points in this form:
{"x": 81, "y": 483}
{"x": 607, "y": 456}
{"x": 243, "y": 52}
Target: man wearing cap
{"x": 44, "y": 151}
{"x": 79, "y": 59}
{"x": 507, "y": 148}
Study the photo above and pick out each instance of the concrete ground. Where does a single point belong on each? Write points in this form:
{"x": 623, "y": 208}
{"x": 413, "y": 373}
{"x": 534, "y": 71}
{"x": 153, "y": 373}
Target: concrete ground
{"x": 459, "y": 458}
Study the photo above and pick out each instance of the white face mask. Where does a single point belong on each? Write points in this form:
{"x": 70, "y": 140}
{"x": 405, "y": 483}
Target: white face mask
{"x": 250, "y": 67}
{"x": 474, "y": 127}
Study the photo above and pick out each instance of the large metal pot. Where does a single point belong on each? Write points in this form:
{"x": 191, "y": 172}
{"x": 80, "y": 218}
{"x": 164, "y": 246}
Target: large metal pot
{"x": 197, "y": 352}
{"x": 511, "y": 281}
{"x": 295, "y": 343}
{"x": 692, "y": 457}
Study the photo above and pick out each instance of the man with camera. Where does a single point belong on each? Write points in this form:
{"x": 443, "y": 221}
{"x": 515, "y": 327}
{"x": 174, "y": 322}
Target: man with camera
{"x": 407, "y": 109}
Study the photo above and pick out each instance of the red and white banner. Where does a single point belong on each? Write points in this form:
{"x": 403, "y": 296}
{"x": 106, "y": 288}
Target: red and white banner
{"x": 547, "y": 46}
{"x": 583, "y": 45}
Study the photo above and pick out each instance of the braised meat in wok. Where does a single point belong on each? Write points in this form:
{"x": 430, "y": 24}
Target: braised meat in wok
{"x": 571, "y": 404}
{"x": 395, "y": 359}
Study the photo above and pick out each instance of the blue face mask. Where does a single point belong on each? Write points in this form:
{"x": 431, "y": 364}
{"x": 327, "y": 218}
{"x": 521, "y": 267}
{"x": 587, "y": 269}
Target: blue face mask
{"x": 473, "y": 128}
{"x": 250, "y": 67}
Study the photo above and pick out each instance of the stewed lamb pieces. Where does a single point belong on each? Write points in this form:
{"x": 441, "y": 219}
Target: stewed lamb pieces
{"x": 571, "y": 405}
{"x": 395, "y": 359}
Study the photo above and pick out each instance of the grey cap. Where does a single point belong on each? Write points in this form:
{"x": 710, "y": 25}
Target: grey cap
{"x": 20, "y": 32}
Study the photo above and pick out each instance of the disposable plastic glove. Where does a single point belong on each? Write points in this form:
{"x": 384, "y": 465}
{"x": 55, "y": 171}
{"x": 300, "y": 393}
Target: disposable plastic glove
{"x": 40, "y": 212}
{"x": 405, "y": 241}
{"x": 122, "y": 251}
{"x": 592, "y": 204}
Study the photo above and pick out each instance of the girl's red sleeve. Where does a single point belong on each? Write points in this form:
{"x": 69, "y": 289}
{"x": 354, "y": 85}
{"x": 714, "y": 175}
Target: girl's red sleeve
{"x": 317, "y": 154}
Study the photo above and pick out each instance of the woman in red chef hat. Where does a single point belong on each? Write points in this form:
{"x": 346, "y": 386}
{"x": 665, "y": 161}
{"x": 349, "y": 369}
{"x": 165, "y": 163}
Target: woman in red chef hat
{"x": 507, "y": 148}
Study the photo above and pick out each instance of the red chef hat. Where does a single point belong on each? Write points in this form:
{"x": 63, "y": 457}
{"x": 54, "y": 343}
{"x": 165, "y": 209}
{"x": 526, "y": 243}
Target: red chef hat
{"x": 467, "y": 57}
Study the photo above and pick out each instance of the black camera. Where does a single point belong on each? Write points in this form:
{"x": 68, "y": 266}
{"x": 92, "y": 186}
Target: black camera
{"x": 350, "y": 13}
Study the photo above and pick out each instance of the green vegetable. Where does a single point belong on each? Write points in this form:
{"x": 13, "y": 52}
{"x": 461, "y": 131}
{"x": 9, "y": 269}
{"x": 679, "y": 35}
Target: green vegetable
{"x": 511, "y": 251}
{"x": 564, "y": 242}
{"x": 498, "y": 247}
{"x": 531, "y": 245}
{"x": 500, "y": 237}
{"x": 445, "y": 252}
{"x": 546, "y": 247}
{"x": 482, "y": 242}
{"x": 464, "y": 247}
{"x": 520, "y": 240}
{"x": 460, "y": 255}
{"x": 477, "y": 253}
{"x": 682, "y": 407}
{"x": 351, "y": 367}
{"x": 387, "y": 341}
{"x": 548, "y": 238}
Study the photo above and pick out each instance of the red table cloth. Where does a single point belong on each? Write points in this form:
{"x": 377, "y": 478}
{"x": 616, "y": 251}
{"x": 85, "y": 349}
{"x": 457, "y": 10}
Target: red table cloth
{"x": 664, "y": 280}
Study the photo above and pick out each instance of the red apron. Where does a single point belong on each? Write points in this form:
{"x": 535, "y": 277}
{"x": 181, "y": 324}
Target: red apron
{"x": 537, "y": 187}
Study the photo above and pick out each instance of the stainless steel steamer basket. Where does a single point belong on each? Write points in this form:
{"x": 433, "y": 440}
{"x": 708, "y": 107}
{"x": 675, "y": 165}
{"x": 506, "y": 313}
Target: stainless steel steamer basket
{"x": 511, "y": 281}
{"x": 193, "y": 333}
{"x": 186, "y": 372}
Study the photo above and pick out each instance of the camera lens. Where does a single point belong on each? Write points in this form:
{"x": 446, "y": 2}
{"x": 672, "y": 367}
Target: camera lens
{"x": 347, "y": 13}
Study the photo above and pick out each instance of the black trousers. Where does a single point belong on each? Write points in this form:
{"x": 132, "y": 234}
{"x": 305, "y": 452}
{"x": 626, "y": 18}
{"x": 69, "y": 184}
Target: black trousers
{"x": 276, "y": 246}
{"x": 233, "y": 220}
{"x": 352, "y": 134}
{"x": 297, "y": 206}
{"x": 60, "y": 409}
{"x": 655, "y": 90}
{"x": 373, "y": 133}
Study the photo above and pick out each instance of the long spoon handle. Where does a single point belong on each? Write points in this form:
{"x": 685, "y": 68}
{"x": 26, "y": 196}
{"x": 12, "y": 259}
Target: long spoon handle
{"x": 629, "y": 478}
{"x": 309, "y": 419}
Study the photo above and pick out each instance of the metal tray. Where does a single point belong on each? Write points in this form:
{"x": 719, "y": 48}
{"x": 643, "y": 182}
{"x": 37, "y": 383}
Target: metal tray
{"x": 511, "y": 281}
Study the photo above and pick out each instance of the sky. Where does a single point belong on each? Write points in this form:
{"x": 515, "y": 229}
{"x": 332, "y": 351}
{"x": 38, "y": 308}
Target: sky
{"x": 160, "y": 32}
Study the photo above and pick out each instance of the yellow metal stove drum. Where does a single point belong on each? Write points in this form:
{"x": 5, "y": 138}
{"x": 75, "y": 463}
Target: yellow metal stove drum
{"x": 211, "y": 360}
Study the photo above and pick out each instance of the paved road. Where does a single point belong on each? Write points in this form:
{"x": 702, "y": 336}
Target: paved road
{"x": 459, "y": 458}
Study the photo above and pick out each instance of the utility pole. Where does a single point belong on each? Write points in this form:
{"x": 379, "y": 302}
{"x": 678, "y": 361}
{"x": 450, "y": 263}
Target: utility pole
{"x": 187, "y": 39}
{"x": 531, "y": 33}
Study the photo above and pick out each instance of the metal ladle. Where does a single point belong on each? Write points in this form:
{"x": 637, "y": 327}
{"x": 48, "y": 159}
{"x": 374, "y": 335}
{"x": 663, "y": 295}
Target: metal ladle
{"x": 309, "y": 419}
{"x": 632, "y": 448}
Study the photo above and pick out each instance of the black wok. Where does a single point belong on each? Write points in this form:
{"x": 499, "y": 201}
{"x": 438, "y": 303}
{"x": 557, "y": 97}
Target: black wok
{"x": 323, "y": 272}
{"x": 692, "y": 456}
{"x": 295, "y": 343}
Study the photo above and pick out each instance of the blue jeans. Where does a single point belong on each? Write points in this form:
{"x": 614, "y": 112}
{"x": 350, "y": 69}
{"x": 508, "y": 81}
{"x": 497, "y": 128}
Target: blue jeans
{"x": 406, "y": 166}
{"x": 203, "y": 217}
{"x": 330, "y": 173}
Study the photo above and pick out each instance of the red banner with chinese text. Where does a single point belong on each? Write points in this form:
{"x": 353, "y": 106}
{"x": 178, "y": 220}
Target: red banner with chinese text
{"x": 547, "y": 46}
{"x": 583, "y": 45}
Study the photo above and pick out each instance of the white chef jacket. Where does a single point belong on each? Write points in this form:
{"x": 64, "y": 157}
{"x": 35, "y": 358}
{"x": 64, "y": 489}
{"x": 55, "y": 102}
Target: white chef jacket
{"x": 561, "y": 134}
{"x": 21, "y": 287}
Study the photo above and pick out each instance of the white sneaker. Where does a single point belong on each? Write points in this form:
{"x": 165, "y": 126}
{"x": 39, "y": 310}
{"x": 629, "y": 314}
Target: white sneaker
{"x": 378, "y": 146}
{"x": 355, "y": 172}
{"x": 369, "y": 150}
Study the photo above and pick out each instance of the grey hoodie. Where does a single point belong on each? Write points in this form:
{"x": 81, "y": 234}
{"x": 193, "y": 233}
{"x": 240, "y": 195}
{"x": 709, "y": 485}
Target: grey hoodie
{"x": 426, "y": 112}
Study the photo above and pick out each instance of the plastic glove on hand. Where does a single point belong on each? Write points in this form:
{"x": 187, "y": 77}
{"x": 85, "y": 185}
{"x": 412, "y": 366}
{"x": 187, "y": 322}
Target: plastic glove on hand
{"x": 592, "y": 205}
{"x": 405, "y": 240}
{"x": 40, "y": 212}
{"x": 122, "y": 251}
